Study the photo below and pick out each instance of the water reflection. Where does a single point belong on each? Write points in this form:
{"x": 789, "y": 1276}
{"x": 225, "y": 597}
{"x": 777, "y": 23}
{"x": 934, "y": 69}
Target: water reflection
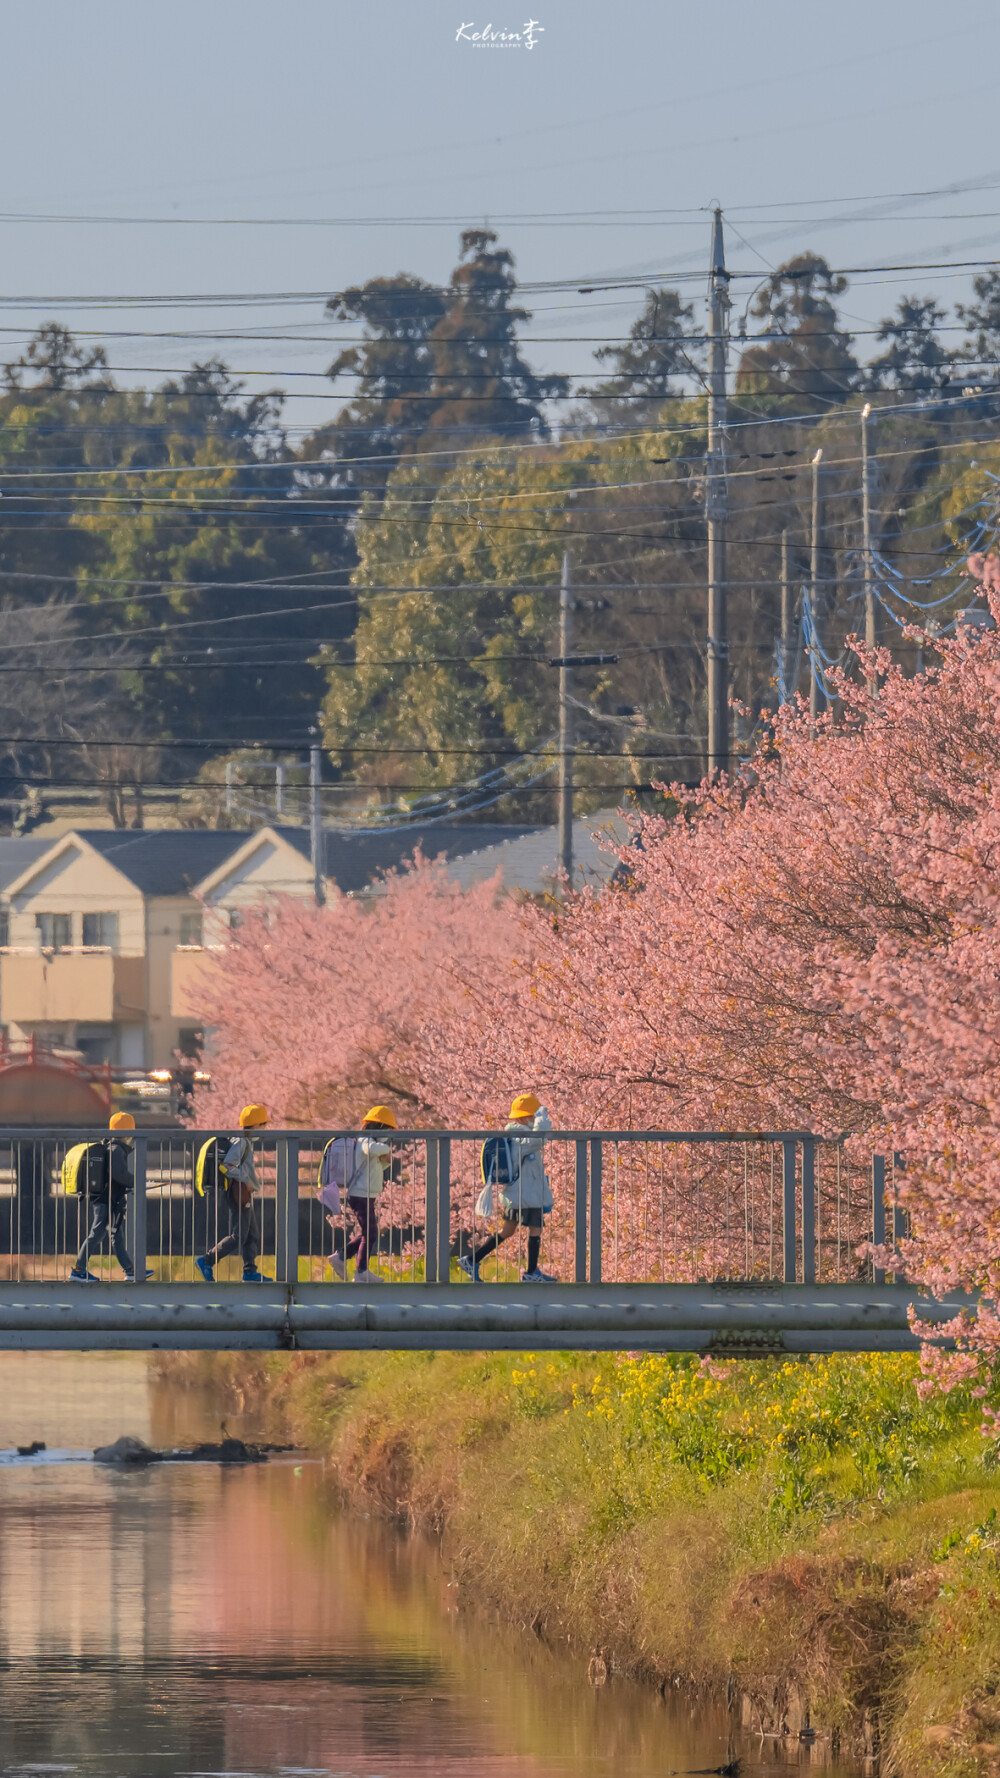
{"x": 195, "y": 1620}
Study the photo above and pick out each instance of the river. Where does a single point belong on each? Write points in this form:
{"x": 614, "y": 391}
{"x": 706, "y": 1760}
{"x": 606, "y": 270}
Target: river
{"x": 188, "y": 1619}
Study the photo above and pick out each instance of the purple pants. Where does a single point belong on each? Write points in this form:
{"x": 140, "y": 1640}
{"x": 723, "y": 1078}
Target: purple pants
{"x": 363, "y": 1245}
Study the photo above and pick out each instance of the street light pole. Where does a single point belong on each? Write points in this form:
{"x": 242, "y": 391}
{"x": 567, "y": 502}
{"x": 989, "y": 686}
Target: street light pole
{"x": 815, "y": 693}
{"x": 565, "y": 725}
{"x": 787, "y": 620}
{"x": 716, "y": 507}
{"x": 316, "y": 824}
{"x": 871, "y": 630}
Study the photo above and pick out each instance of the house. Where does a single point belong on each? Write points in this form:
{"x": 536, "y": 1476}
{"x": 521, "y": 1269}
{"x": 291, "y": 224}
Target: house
{"x": 103, "y": 931}
{"x": 529, "y": 861}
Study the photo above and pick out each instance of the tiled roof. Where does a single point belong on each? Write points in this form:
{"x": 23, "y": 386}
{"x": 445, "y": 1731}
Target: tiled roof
{"x": 17, "y": 853}
{"x": 354, "y": 859}
{"x": 163, "y": 860}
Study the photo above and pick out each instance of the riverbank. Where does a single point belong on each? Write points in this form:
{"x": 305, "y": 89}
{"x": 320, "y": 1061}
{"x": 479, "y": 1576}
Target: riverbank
{"x": 813, "y": 1536}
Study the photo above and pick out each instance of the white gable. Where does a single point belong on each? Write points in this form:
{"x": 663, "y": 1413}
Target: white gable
{"x": 266, "y": 865}
{"x": 72, "y": 876}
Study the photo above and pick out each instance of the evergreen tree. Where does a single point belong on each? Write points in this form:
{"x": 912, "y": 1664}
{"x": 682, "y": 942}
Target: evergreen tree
{"x": 481, "y": 385}
{"x": 982, "y": 318}
{"x": 391, "y": 404}
{"x": 812, "y": 358}
{"x": 656, "y": 353}
{"x": 916, "y": 359}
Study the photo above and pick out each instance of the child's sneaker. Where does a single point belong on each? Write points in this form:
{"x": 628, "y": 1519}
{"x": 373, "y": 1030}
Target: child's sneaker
{"x": 367, "y": 1278}
{"x": 470, "y": 1268}
{"x": 255, "y": 1277}
{"x": 83, "y": 1277}
{"x": 205, "y": 1268}
{"x": 538, "y": 1277}
{"x": 338, "y": 1268}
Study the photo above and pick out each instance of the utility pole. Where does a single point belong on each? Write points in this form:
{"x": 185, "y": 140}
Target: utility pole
{"x": 871, "y": 631}
{"x": 814, "y": 689}
{"x": 229, "y": 786}
{"x": 279, "y": 789}
{"x": 716, "y": 507}
{"x": 316, "y": 822}
{"x": 787, "y": 621}
{"x": 565, "y": 725}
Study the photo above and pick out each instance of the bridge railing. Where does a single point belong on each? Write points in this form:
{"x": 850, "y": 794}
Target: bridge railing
{"x": 628, "y": 1206}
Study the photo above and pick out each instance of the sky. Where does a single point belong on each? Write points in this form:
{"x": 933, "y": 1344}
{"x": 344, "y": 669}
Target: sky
{"x": 229, "y": 149}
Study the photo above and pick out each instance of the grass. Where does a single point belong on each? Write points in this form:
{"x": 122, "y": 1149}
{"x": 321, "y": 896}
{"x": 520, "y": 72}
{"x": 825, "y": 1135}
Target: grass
{"x": 813, "y": 1532}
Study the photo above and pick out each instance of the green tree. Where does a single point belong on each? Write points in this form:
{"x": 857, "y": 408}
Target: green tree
{"x": 227, "y": 546}
{"x": 915, "y": 359}
{"x": 982, "y": 318}
{"x": 646, "y": 367}
{"x": 480, "y": 383}
{"x": 811, "y": 357}
{"x": 392, "y": 402}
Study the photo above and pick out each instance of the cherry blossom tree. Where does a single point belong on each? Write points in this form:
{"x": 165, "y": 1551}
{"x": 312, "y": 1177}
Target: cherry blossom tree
{"x": 814, "y": 945}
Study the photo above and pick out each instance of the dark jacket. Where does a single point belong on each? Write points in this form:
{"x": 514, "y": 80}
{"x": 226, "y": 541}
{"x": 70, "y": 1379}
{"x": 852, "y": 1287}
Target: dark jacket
{"x": 112, "y": 1172}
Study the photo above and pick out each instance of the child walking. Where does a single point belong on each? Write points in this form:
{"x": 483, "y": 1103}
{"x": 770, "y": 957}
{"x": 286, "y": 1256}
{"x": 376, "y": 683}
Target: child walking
{"x": 364, "y": 1164}
{"x": 525, "y": 1196}
{"x": 239, "y": 1178}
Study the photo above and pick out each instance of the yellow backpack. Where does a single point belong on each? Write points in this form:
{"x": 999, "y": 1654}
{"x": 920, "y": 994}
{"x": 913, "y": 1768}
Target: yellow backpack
{"x": 208, "y": 1169}
{"x": 75, "y": 1174}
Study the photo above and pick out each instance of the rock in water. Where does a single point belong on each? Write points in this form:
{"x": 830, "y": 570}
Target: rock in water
{"x": 126, "y": 1451}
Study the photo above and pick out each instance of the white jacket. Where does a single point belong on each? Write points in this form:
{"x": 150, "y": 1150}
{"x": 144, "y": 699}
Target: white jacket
{"x": 371, "y": 1163}
{"x": 530, "y": 1190}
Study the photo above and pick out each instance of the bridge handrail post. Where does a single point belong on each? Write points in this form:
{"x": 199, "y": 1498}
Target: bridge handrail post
{"x": 878, "y": 1210}
{"x": 136, "y": 1231}
{"x": 580, "y": 1214}
{"x": 788, "y": 1158}
{"x": 596, "y": 1165}
{"x": 444, "y": 1211}
{"x": 286, "y": 1225}
{"x": 431, "y": 1214}
{"x": 809, "y": 1210}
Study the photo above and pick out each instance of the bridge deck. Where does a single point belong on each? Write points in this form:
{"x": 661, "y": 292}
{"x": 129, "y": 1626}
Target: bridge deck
{"x": 737, "y": 1321}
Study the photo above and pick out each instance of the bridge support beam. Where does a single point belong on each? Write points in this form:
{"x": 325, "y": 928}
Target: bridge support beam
{"x": 725, "y": 1319}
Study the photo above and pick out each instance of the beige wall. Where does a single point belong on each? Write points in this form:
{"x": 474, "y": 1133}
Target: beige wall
{"x": 79, "y": 882}
{"x": 89, "y": 987}
{"x": 150, "y": 985}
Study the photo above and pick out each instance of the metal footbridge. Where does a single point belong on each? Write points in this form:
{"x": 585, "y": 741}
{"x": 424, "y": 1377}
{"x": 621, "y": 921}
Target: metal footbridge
{"x": 734, "y": 1244}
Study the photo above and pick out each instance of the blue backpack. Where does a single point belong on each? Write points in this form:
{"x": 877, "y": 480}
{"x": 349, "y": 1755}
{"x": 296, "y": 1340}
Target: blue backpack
{"x": 498, "y": 1162}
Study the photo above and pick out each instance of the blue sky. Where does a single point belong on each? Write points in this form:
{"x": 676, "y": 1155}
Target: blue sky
{"x": 247, "y": 148}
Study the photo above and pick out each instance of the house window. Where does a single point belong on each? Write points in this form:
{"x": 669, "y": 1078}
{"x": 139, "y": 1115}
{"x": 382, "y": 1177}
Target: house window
{"x": 191, "y": 928}
{"x": 101, "y": 931}
{"x": 4, "y": 928}
{"x": 53, "y": 931}
{"x": 190, "y": 1042}
{"x": 235, "y": 919}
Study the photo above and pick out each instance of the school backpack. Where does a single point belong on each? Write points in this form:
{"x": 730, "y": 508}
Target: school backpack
{"x": 499, "y": 1167}
{"x": 208, "y": 1169}
{"x": 85, "y": 1169}
{"x": 338, "y": 1170}
{"x": 498, "y": 1161}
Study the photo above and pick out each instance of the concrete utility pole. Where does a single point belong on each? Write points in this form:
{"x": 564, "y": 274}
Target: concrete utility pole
{"x": 815, "y": 694}
{"x": 279, "y": 789}
{"x": 316, "y": 823}
{"x": 787, "y": 622}
{"x": 871, "y": 630}
{"x": 565, "y": 724}
{"x": 716, "y": 507}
